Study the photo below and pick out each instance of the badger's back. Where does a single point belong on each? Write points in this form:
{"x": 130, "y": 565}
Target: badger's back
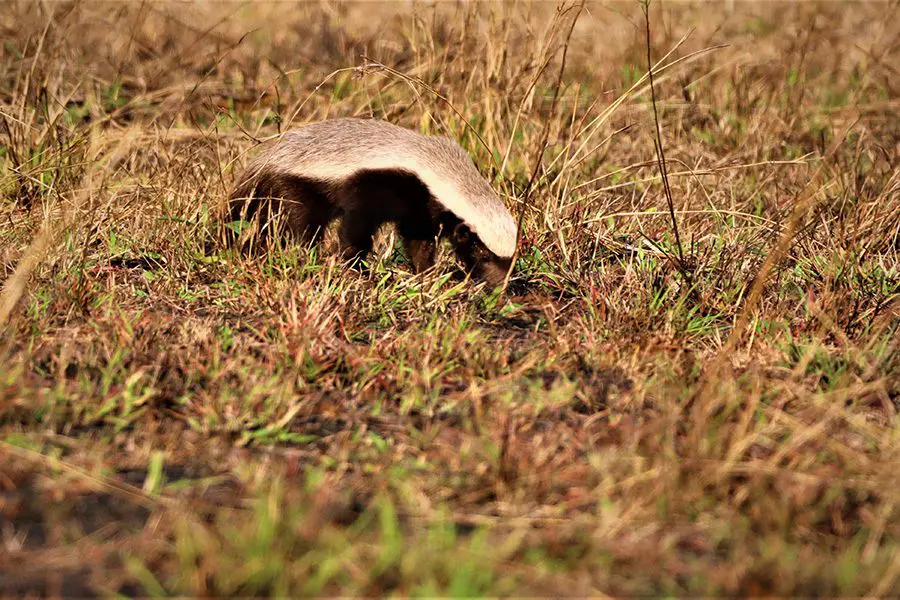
{"x": 335, "y": 150}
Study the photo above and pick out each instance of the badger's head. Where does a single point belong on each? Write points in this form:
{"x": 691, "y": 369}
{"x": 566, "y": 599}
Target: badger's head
{"x": 483, "y": 232}
{"x": 483, "y": 263}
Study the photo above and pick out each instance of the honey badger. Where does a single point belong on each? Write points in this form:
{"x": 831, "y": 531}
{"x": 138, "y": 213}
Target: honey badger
{"x": 369, "y": 172}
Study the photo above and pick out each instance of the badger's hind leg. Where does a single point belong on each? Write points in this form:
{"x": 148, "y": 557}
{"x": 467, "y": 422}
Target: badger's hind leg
{"x": 300, "y": 207}
{"x": 306, "y": 208}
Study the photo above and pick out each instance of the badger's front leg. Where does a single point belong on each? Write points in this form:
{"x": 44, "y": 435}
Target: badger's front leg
{"x": 356, "y": 234}
{"x": 421, "y": 253}
{"x": 419, "y": 234}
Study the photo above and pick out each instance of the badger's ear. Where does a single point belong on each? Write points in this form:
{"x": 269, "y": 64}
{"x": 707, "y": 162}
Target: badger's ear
{"x": 462, "y": 234}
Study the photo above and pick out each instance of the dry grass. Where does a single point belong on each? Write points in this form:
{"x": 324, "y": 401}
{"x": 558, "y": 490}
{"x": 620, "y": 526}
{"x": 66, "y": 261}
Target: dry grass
{"x": 623, "y": 421}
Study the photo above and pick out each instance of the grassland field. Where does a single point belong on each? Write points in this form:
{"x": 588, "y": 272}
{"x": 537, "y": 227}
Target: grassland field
{"x": 689, "y": 387}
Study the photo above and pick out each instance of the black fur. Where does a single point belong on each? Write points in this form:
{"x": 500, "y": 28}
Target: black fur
{"x": 364, "y": 203}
